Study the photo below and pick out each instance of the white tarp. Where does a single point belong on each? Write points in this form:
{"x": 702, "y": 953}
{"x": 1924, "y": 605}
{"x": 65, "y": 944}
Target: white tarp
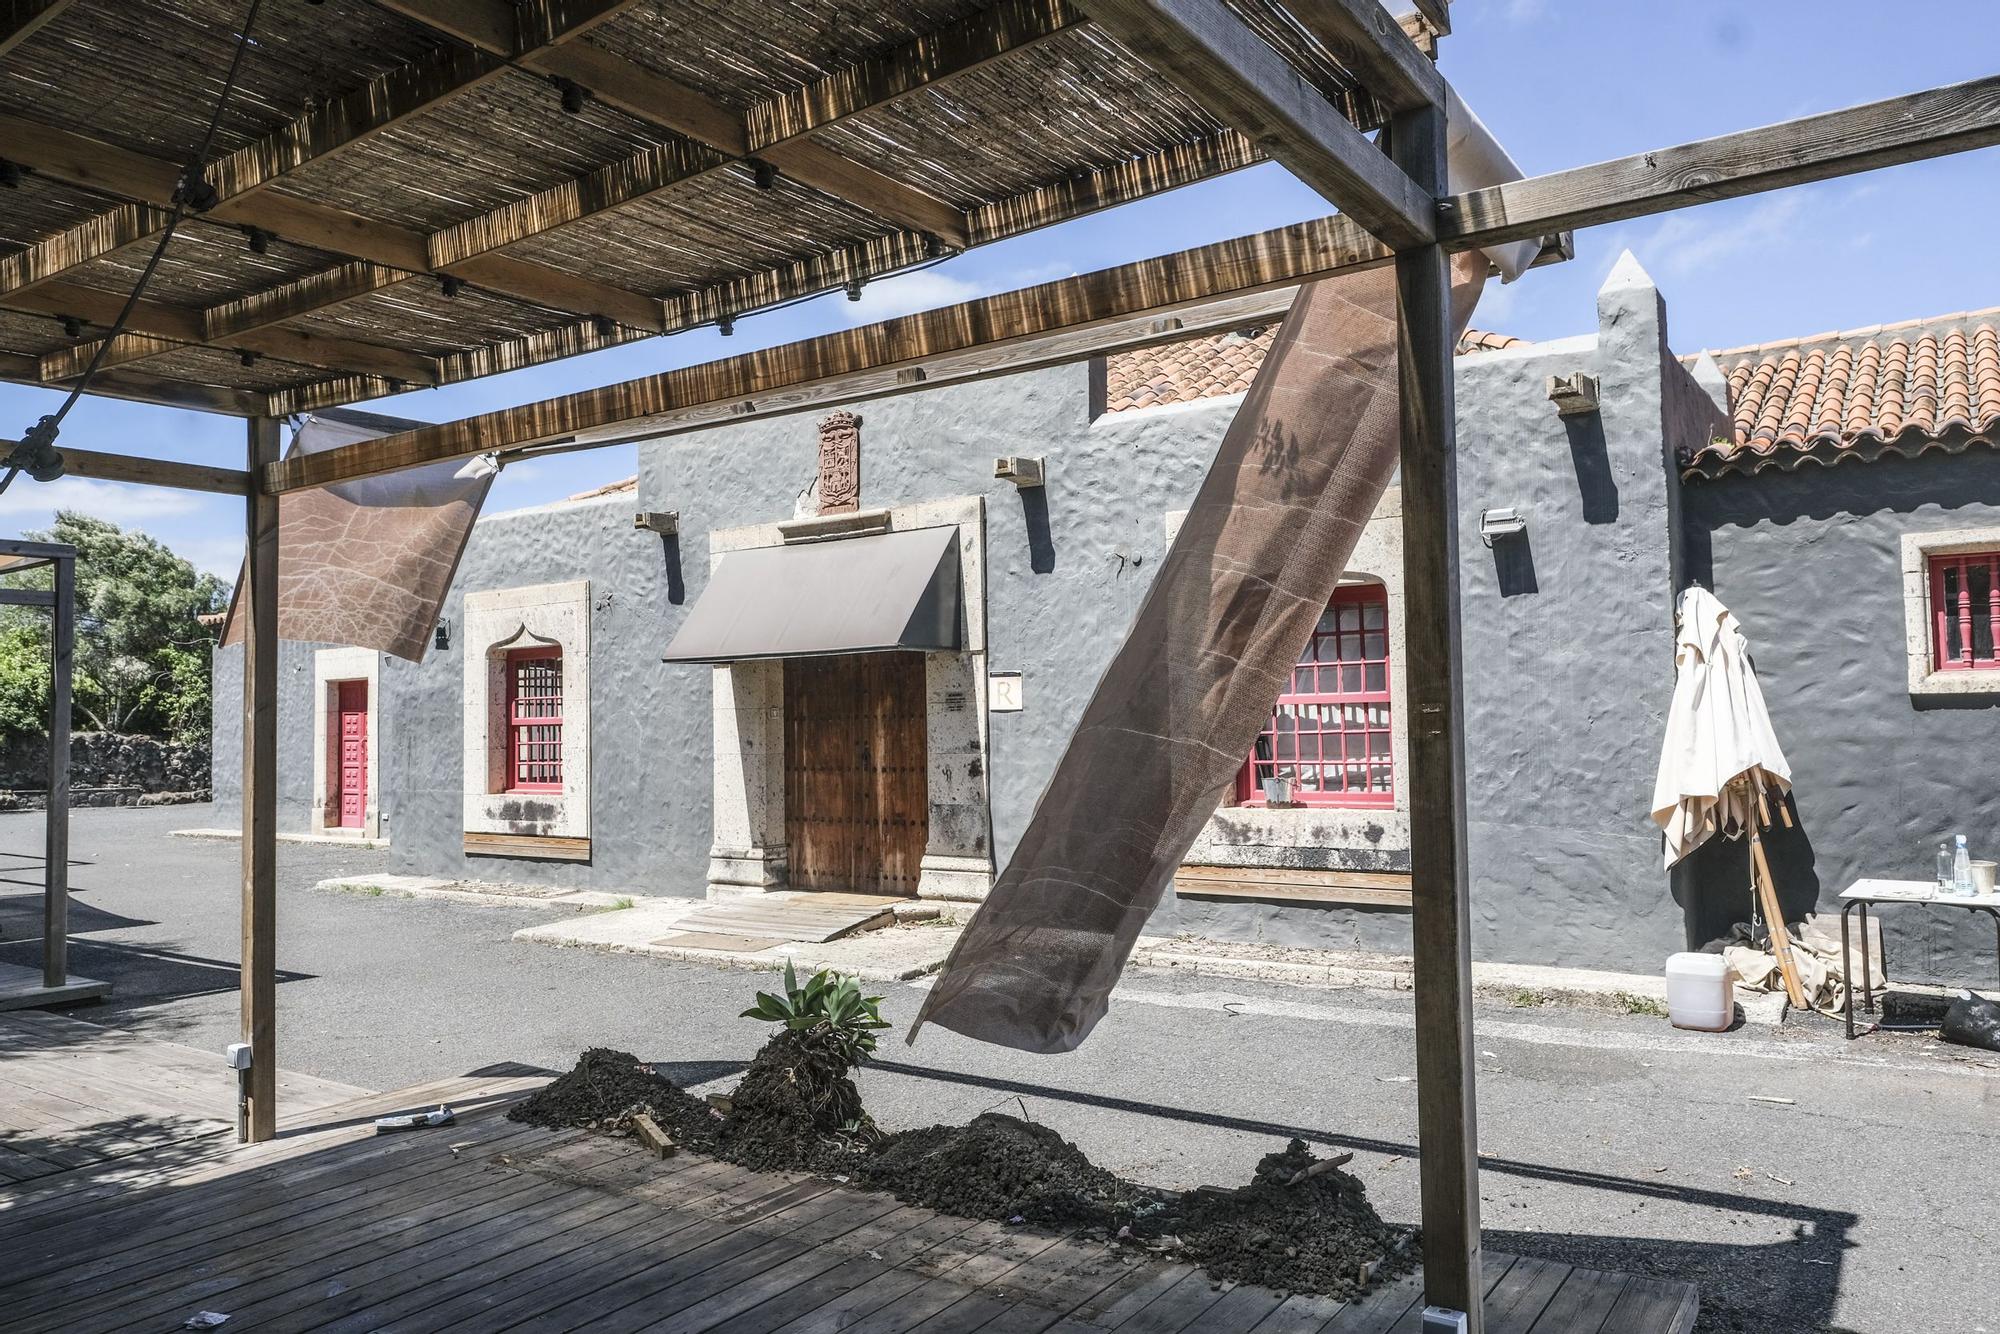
{"x": 1718, "y": 731}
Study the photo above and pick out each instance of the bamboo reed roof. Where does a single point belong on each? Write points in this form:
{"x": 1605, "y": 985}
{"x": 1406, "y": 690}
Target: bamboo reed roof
{"x": 406, "y": 199}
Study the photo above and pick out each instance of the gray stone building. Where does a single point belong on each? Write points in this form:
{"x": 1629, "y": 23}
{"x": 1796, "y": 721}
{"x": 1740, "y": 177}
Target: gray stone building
{"x": 1837, "y": 492}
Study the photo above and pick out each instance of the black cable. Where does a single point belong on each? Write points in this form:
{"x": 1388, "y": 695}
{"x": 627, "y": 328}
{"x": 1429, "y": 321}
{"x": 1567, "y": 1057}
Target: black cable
{"x": 38, "y": 441}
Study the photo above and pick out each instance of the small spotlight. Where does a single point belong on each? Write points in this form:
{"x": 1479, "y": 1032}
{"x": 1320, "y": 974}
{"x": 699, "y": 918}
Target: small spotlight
{"x": 765, "y": 175}
{"x": 194, "y": 190}
{"x": 259, "y": 239}
{"x": 246, "y": 357}
{"x": 725, "y": 325}
{"x": 573, "y": 94}
{"x": 450, "y": 284}
{"x": 854, "y": 286}
{"x": 10, "y": 174}
{"x": 603, "y": 326}
{"x": 72, "y": 327}
{"x": 934, "y": 247}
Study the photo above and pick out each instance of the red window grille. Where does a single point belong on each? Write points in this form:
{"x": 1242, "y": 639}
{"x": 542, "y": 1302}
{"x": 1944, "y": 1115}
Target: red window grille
{"x": 1965, "y": 611}
{"x": 534, "y": 720}
{"x": 1329, "y": 733}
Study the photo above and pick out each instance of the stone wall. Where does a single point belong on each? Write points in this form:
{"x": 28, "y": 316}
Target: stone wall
{"x": 105, "y": 769}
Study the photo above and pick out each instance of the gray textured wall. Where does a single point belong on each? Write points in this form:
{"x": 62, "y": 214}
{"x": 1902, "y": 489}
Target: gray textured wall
{"x": 1811, "y": 564}
{"x": 1568, "y": 638}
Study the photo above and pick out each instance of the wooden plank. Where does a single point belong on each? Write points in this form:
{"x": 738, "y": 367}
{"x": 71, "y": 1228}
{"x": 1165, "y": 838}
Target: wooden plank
{"x": 540, "y": 847}
{"x": 1650, "y": 1306}
{"x": 55, "y": 820}
{"x": 1933, "y": 123}
{"x": 1585, "y": 1300}
{"x": 259, "y": 967}
{"x": 837, "y": 1293}
{"x": 1363, "y": 888}
{"x": 1301, "y": 1313}
{"x": 1440, "y": 911}
{"x": 1214, "y": 58}
{"x": 1515, "y": 1304}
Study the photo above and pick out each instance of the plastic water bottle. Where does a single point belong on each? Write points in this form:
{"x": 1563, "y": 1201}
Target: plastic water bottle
{"x": 1961, "y": 868}
{"x": 1945, "y": 871}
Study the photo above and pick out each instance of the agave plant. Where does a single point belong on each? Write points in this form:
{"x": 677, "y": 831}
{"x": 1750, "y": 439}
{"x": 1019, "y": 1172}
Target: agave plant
{"x": 830, "y": 1007}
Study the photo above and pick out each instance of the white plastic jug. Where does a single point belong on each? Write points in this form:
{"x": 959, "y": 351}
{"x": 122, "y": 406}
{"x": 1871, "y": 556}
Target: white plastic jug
{"x": 1701, "y": 992}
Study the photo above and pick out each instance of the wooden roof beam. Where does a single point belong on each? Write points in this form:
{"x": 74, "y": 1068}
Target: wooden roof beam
{"x": 1236, "y": 76}
{"x": 1933, "y": 123}
{"x": 863, "y": 362}
{"x": 1182, "y": 164}
{"x": 1374, "y": 48}
{"x": 149, "y": 472}
{"x": 241, "y": 179}
{"x": 654, "y": 98}
{"x": 181, "y": 327}
{"x": 22, "y": 19}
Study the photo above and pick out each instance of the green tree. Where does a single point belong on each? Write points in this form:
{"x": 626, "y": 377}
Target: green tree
{"x": 141, "y": 660}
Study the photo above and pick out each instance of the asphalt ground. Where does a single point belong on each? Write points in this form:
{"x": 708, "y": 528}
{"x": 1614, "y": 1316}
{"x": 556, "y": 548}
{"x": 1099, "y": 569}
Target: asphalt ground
{"x": 1867, "y": 1202}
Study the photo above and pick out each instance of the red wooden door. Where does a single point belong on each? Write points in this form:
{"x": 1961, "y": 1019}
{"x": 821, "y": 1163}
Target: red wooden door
{"x": 351, "y": 730}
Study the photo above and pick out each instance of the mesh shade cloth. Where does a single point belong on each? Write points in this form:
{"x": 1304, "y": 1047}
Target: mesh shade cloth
{"x": 368, "y": 563}
{"x": 1300, "y": 470}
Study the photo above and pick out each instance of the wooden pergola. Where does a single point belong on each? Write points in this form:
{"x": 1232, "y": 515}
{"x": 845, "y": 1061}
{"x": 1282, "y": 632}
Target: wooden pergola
{"x": 419, "y": 192}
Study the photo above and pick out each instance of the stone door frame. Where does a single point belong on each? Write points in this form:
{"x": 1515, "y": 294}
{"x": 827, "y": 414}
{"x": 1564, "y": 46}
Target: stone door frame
{"x": 748, "y": 852}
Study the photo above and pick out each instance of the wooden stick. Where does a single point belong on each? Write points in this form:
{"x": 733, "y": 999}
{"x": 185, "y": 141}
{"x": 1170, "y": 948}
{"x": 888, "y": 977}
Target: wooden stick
{"x": 1774, "y": 919}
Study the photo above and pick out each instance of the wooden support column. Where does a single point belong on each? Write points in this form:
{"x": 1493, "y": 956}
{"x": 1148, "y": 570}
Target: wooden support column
{"x": 1446, "y": 1114}
{"x": 259, "y": 599}
{"x": 55, "y": 851}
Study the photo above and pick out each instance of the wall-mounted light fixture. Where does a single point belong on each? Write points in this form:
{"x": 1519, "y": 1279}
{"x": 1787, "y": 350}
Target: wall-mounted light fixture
{"x": 1022, "y": 472}
{"x": 441, "y": 636}
{"x": 1500, "y": 523}
{"x": 1574, "y": 395}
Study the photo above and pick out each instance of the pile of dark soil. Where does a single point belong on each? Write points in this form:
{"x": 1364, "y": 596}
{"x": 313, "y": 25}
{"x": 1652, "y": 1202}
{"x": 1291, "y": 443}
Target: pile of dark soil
{"x": 1004, "y": 1168}
{"x": 1288, "y": 1231}
{"x": 605, "y": 1086}
{"x": 796, "y": 1110}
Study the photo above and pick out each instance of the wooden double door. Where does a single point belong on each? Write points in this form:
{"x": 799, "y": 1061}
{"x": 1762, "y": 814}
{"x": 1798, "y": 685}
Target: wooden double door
{"x": 857, "y": 792}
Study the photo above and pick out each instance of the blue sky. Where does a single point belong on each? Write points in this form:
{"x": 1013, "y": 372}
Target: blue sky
{"x": 1560, "y": 82}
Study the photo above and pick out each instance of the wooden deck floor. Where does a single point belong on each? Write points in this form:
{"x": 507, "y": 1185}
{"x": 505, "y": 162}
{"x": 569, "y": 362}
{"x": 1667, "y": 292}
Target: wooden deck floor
{"x": 488, "y": 1225}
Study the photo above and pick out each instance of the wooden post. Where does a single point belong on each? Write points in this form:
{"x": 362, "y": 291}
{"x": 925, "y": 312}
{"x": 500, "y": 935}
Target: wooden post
{"x": 259, "y": 600}
{"x": 1447, "y": 1132}
{"x": 55, "y": 848}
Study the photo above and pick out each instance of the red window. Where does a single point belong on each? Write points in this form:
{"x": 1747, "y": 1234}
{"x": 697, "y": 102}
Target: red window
{"x": 1329, "y": 733}
{"x": 1965, "y": 611}
{"x": 534, "y": 720}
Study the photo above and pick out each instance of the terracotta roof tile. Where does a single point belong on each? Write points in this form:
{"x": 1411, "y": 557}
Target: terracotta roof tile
{"x": 1899, "y": 388}
{"x": 608, "y": 489}
{"x": 1212, "y": 366}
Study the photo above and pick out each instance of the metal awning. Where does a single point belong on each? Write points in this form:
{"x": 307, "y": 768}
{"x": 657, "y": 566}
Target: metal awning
{"x": 845, "y": 595}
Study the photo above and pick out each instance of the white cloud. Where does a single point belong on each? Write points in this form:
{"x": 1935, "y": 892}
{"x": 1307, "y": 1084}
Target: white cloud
{"x": 33, "y": 503}
{"x": 927, "y": 289}
{"x": 1685, "y": 244}
{"x": 219, "y": 556}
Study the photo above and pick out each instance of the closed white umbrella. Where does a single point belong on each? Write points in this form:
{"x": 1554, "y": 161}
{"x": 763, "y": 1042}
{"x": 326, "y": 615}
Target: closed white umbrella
{"x": 1720, "y": 756}
{"x": 1720, "y": 753}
